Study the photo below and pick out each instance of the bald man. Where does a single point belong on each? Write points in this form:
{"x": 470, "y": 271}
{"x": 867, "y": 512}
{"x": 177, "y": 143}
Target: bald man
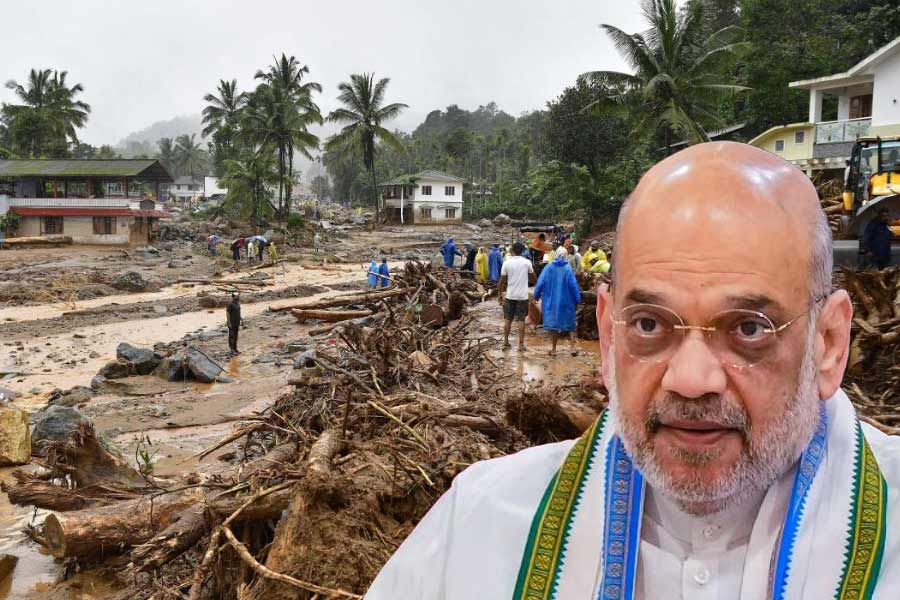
{"x": 729, "y": 464}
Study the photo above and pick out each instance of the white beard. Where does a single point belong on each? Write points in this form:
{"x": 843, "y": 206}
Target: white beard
{"x": 767, "y": 456}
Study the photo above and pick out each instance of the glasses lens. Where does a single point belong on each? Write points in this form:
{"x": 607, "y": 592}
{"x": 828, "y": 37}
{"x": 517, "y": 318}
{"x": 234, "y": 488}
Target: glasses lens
{"x": 742, "y": 338}
{"x": 649, "y": 331}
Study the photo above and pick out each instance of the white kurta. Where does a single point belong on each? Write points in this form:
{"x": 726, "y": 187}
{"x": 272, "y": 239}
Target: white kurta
{"x": 470, "y": 545}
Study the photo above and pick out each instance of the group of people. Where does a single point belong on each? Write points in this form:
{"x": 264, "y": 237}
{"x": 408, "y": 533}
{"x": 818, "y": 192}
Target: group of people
{"x": 378, "y": 275}
{"x": 254, "y": 248}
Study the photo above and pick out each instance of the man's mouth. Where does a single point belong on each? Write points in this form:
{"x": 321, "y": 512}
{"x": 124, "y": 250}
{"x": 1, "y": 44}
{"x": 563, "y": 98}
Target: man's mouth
{"x": 697, "y": 434}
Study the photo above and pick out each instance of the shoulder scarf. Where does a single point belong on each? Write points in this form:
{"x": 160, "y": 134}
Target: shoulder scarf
{"x": 563, "y": 560}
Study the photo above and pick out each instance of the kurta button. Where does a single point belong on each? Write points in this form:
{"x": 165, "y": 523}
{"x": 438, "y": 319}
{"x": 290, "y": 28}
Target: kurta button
{"x": 701, "y": 576}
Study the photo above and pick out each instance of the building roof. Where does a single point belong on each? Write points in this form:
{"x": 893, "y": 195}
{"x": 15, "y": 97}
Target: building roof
{"x": 144, "y": 168}
{"x": 429, "y": 174}
{"x": 858, "y": 73}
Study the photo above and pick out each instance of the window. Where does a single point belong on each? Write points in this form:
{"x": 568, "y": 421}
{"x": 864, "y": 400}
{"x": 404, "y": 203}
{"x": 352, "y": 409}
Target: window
{"x": 799, "y": 137}
{"x": 425, "y": 213}
{"x": 779, "y": 145}
{"x": 861, "y": 106}
{"x": 450, "y": 190}
{"x": 51, "y": 225}
{"x": 450, "y": 213}
{"x": 426, "y": 190}
{"x": 104, "y": 225}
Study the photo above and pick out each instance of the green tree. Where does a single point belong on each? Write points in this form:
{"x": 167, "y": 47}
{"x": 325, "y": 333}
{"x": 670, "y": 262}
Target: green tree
{"x": 220, "y": 118}
{"x": 49, "y": 114}
{"x": 677, "y": 84}
{"x": 167, "y": 155}
{"x": 189, "y": 155}
{"x": 279, "y": 114}
{"x": 320, "y": 187}
{"x": 363, "y": 114}
{"x": 249, "y": 179}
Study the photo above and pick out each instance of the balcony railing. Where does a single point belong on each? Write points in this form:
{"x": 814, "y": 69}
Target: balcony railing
{"x": 73, "y": 202}
{"x": 842, "y": 131}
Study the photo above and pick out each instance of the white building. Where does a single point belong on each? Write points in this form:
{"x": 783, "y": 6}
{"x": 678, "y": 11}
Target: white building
{"x": 868, "y": 104}
{"x": 184, "y": 189}
{"x": 426, "y": 197}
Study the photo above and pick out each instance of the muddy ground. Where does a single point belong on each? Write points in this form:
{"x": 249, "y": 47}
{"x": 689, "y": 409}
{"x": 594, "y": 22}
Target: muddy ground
{"x": 62, "y": 322}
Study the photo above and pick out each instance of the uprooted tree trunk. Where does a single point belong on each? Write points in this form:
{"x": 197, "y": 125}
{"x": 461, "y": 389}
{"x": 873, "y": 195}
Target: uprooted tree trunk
{"x": 109, "y": 529}
{"x": 329, "y": 316}
{"x": 290, "y": 530}
{"x": 349, "y": 300}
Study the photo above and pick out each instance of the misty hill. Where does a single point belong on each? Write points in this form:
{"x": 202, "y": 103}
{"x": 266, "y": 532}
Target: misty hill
{"x": 144, "y": 141}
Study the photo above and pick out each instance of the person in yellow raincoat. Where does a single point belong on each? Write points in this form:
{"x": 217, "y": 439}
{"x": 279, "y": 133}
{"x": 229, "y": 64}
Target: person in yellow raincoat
{"x": 481, "y": 265}
{"x": 273, "y": 253}
{"x": 593, "y": 252}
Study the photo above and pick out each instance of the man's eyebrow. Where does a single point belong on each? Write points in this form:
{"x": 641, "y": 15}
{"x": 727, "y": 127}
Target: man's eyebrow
{"x": 757, "y": 302}
{"x": 642, "y": 296}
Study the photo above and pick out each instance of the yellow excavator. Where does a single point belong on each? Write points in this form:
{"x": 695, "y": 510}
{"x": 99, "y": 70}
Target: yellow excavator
{"x": 872, "y": 182}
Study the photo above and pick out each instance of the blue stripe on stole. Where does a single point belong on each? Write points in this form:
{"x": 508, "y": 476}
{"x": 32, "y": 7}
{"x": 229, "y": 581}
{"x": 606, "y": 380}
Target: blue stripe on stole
{"x": 806, "y": 471}
{"x": 621, "y": 533}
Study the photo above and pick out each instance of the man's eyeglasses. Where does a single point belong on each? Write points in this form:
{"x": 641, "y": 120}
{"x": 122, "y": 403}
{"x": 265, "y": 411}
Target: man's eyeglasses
{"x": 738, "y": 338}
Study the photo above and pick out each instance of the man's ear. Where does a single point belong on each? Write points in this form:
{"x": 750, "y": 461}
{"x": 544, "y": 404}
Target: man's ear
{"x": 604, "y": 326}
{"x": 832, "y": 346}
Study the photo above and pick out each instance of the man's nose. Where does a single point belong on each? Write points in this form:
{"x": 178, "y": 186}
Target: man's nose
{"x": 694, "y": 370}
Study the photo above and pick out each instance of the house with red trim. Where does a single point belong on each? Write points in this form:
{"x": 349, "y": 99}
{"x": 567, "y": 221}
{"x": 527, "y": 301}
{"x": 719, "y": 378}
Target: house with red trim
{"x": 91, "y": 201}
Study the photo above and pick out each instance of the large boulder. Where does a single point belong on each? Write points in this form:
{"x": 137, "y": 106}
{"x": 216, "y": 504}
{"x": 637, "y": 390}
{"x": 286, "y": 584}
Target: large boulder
{"x": 142, "y": 360}
{"x": 15, "y": 437}
{"x": 71, "y": 397}
{"x": 131, "y": 281}
{"x": 56, "y": 424}
{"x": 189, "y": 363}
{"x": 502, "y": 220}
{"x": 485, "y": 223}
{"x": 115, "y": 369}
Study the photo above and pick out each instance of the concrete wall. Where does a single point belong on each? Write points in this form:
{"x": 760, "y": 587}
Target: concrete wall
{"x": 438, "y": 211}
{"x": 846, "y": 94}
{"x": 81, "y": 230}
{"x": 886, "y": 100}
{"x": 437, "y": 191}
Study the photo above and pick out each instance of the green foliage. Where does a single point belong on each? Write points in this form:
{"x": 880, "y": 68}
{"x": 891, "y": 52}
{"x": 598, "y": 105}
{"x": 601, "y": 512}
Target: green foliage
{"x": 679, "y": 72}
{"x": 10, "y": 222}
{"x": 295, "y": 221}
{"x": 250, "y": 180}
{"x": 190, "y": 158}
{"x": 362, "y": 116}
{"x": 47, "y": 117}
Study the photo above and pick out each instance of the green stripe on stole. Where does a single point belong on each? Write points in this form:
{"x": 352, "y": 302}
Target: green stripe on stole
{"x": 539, "y": 569}
{"x": 866, "y": 529}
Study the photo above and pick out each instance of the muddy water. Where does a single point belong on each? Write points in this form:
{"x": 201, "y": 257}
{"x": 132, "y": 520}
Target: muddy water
{"x": 34, "y": 568}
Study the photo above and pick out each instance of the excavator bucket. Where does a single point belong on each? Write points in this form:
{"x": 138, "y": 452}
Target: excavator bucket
{"x": 870, "y": 211}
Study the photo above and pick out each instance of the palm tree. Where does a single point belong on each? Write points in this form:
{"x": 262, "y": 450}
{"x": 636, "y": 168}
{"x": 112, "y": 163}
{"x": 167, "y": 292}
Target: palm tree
{"x": 49, "y": 114}
{"x": 279, "y": 114}
{"x": 189, "y": 155}
{"x": 222, "y": 110}
{"x": 362, "y": 116}
{"x": 248, "y": 179}
{"x": 166, "y": 154}
{"x": 675, "y": 85}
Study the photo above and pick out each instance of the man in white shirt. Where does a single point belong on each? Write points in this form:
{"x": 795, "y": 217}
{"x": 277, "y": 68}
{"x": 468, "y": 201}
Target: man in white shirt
{"x": 729, "y": 465}
{"x": 514, "y": 282}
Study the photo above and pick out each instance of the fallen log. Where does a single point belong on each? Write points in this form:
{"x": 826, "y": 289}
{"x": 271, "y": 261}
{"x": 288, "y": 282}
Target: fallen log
{"x": 318, "y": 267}
{"x": 110, "y": 529}
{"x": 46, "y": 240}
{"x": 282, "y": 554}
{"x": 225, "y": 282}
{"x": 41, "y": 494}
{"x": 329, "y": 316}
{"x": 345, "y": 300}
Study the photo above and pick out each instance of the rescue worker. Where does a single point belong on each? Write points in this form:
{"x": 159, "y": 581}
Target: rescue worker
{"x": 495, "y": 262}
{"x": 384, "y": 272}
{"x": 481, "y": 265}
{"x": 450, "y": 252}
{"x": 373, "y": 274}
{"x": 561, "y": 295}
{"x": 233, "y": 316}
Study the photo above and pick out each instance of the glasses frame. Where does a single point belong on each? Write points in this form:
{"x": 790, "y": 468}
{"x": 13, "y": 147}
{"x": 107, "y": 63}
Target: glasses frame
{"x": 709, "y": 330}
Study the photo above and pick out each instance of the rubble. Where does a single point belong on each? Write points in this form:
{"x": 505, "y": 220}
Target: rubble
{"x": 131, "y": 281}
{"x": 56, "y": 424}
{"x": 502, "y": 220}
{"x": 189, "y": 363}
{"x": 140, "y": 360}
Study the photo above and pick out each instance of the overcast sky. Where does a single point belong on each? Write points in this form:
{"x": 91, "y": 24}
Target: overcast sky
{"x": 142, "y": 62}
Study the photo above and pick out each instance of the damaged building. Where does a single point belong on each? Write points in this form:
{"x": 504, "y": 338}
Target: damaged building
{"x": 91, "y": 201}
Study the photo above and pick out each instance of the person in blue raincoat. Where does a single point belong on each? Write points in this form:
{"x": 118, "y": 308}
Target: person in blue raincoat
{"x": 558, "y": 291}
{"x": 495, "y": 262}
{"x": 384, "y": 272}
{"x": 373, "y": 274}
{"x": 450, "y": 251}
